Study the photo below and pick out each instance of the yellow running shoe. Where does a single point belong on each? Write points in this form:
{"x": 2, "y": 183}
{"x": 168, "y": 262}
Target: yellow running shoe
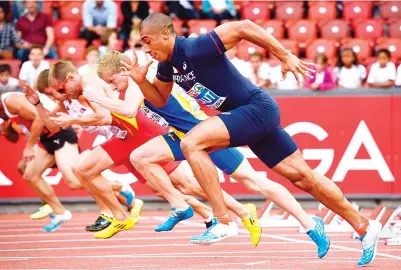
{"x": 42, "y": 212}
{"x": 136, "y": 210}
{"x": 251, "y": 222}
{"x": 115, "y": 227}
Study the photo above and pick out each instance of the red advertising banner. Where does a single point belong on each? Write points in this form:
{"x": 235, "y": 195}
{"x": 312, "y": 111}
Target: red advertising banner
{"x": 355, "y": 141}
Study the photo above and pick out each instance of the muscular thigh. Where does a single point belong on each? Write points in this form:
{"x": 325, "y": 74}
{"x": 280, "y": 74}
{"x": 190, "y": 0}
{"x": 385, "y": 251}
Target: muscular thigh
{"x": 66, "y": 156}
{"x": 95, "y": 161}
{"x": 39, "y": 164}
{"x": 156, "y": 150}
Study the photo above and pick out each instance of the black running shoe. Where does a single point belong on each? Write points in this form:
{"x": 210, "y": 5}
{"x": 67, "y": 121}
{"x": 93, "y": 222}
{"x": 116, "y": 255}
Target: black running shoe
{"x": 208, "y": 224}
{"x": 102, "y": 222}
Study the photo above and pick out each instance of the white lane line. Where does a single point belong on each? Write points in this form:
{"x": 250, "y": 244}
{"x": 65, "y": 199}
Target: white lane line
{"x": 80, "y": 219}
{"x": 70, "y": 228}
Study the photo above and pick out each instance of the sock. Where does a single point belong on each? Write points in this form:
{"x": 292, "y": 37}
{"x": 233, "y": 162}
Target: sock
{"x": 110, "y": 215}
{"x": 307, "y": 229}
{"x": 209, "y": 219}
{"x": 363, "y": 227}
{"x": 126, "y": 188}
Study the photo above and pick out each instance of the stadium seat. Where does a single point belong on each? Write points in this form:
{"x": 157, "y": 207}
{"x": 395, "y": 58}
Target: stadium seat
{"x": 369, "y": 29}
{"x": 392, "y": 44}
{"x": 201, "y": 26}
{"x": 156, "y": 6}
{"x": 246, "y": 48}
{"x": 66, "y": 30}
{"x": 322, "y": 12}
{"x": 290, "y": 10}
{"x": 302, "y": 30}
{"x": 15, "y": 65}
{"x": 362, "y": 47}
{"x": 47, "y": 8}
{"x": 335, "y": 29}
{"x": 274, "y": 27}
{"x": 119, "y": 46}
{"x": 394, "y": 29}
{"x": 74, "y": 49}
{"x": 178, "y": 26}
{"x": 255, "y": 11}
{"x": 72, "y": 11}
{"x": 52, "y": 61}
{"x": 390, "y": 10}
{"x": 273, "y": 62}
{"x": 324, "y": 46}
{"x": 356, "y": 11}
{"x": 291, "y": 45}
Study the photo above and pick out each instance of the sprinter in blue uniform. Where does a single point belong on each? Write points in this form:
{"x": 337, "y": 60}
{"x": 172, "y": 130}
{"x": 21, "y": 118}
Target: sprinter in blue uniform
{"x": 250, "y": 116}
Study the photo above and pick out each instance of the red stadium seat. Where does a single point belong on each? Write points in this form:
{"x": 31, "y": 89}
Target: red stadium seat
{"x": 255, "y": 11}
{"x": 335, "y": 29}
{"x": 394, "y": 29}
{"x": 369, "y": 29}
{"x": 274, "y": 27}
{"x": 201, "y": 26}
{"x": 119, "y": 46}
{"x": 362, "y": 47}
{"x": 273, "y": 62}
{"x": 291, "y": 45}
{"x": 356, "y": 11}
{"x": 72, "y": 11}
{"x": 178, "y": 27}
{"x": 324, "y": 46}
{"x": 246, "y": 49}
{"x": 47, "y": 8}
{"x": 322, "y": 12}
{"x": 15, "y": 65}
{"x": 66, "y": 30}
{"x": 392, "y": 44}
{"x": 390, "y": 10}
{"x": 302, "y": 30}
{"x": 73, "y": 49}
{"x": 290, "y": 10}
{"x": 156, "y": 6}
{"x": 52, "y": 61}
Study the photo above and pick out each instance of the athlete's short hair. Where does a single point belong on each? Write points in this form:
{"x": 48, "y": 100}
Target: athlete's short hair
{"x": 60, "y": 70}
{"x": 43, "y": 81}
{"x": 158, "y": 21}
{"x": 110, "y": 63}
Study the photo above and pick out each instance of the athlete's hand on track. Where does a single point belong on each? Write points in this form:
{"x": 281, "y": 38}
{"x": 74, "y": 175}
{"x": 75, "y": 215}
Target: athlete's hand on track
{"x": 294, "y": 65}
{"x": 91, "y": 93}
{"x": 135, "y": 71}
{"x": 28, "y": 154}
{"x": 63, "y": 120}
{"x": 31, "y": 95}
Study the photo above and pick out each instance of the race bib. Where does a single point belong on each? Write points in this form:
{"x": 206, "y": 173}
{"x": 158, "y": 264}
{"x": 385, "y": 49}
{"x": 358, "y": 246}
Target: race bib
{"x": 206, "y": 96}
{"x": 121, "y": 134}
{"x": 154, "y": 116}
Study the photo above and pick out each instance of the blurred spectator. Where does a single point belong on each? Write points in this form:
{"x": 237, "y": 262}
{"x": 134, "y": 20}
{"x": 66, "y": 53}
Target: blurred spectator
{"x": 398, "y": 80}
{"x": 348, "y": 73}
{"x": 134, "y": 13}
{"x": 98, "y": 16}
{"x": 259, "y": 70}
{"x": 8, "y": 38}
{"x": 382, "y": 73}
{"x": 7, "y": 83}
{"x": 92, "y": 57}
{"x": 135, "y": 47}
{"x": 36, "y": 28}
{"x": 323, "y": 79}
{"x": 30, "y": 69}
{"x": 277, "y": 82}
{"x": 19, "y": 9}
{"x": 109, "y": 41}
{"x": 242, "y": 66}
{"x": 219, "y": 9}
{"x": 182, "y": 9}
{"x": 5, "y": 5}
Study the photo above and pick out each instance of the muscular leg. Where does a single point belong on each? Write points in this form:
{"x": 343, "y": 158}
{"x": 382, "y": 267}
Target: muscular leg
{"x": 33, "y": 175}
{"x": 89, "y": 172}
{"x": 247, "y": 176}
{"x": 208, "y": 135}
{"x": 145, "y": 159}
{"x": 323, "y": 189}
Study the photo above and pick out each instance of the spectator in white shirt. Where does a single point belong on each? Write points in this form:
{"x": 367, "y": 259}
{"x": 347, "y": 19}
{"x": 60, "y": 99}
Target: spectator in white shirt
{"x": 30, "y": 69}
{"x": 277, "y": 82}
{"x": 398, "y": 80}
{"x": 109, "y": 41}
{"x": 382, "y": 73}
{"x": 243, "y": 67}
{"x": 7, "y": 83}
{"x": 92, "y": 57}
{"x": 348, "y": 73}
{"x": 259, "y": 70}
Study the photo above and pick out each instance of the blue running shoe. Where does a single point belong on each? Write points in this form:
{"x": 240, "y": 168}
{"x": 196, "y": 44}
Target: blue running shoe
{"x": 318, "y": 235}
{"x": 215, "y": 233}
{"x": 174, "y": 218}
{"x": 57, "y": 220}
{"x": 369, "y": 243}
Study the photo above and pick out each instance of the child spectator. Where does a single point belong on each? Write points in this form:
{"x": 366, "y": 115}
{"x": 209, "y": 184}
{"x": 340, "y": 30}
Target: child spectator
{"x": 92, "y": 57}
{"x": 348, "y": 73}
{"x": 259, "y": 70}
{"x": 109, "y": 42}
{"x": 30, "y": 69}
{"x": 322, "y": 80}
{"x": 398, "y": 80}
{"x": 382, "y": 73}
{"x": 7, "y": 83}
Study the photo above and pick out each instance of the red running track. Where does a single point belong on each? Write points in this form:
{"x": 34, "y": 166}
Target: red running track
{"x": 23, "y": 245}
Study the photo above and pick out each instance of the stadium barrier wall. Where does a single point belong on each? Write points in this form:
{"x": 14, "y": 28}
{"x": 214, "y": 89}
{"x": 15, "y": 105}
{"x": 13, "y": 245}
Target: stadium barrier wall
{"x": 353, "y": 137}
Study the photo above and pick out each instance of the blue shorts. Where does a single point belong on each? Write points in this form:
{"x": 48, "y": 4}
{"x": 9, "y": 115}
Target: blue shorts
{"x": 228, "y": 160}
{"x": 257, "y": 125}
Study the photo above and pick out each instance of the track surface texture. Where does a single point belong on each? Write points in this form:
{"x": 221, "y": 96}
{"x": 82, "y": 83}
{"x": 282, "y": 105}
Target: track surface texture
{"x": 23, "y": 245}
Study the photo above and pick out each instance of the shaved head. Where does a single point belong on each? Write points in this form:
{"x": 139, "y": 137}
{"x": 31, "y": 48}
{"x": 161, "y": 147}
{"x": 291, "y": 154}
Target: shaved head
{"x": 157, "y": 22}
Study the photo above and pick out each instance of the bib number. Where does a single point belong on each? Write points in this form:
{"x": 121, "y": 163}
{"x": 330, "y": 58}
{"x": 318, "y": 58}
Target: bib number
{"x": 206, "y": 96}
